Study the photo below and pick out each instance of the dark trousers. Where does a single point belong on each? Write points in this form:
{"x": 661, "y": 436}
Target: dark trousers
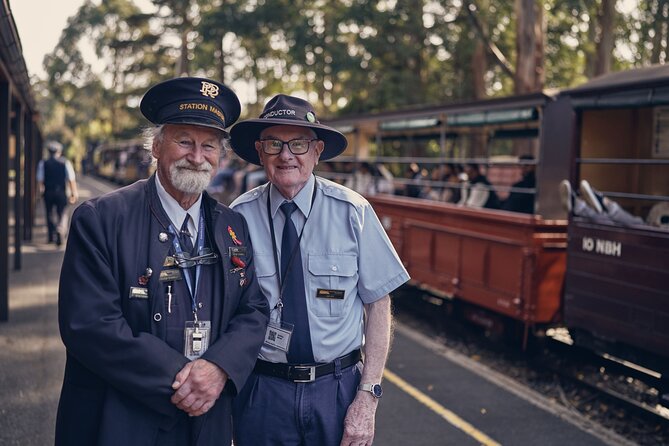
{"x": 273, "y": 411}
{"x": 55, "y": 201}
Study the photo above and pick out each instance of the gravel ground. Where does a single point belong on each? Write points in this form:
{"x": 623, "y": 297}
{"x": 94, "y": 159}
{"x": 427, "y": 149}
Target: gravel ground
{"x": 511, "y": 361}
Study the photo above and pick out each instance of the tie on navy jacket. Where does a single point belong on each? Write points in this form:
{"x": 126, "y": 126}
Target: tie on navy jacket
{"x": 294, "y": 300}
{"x": 187, "y": 245}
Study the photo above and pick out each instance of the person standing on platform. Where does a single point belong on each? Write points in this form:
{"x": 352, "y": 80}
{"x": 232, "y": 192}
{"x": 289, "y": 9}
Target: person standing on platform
{"x": 159, "y": 306}
{"x": 326, "y": 265}
{"x": 54, "y": 175}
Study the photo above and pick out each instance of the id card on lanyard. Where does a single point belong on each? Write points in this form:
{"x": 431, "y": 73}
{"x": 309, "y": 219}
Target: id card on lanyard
{"x": 196, "y": 332}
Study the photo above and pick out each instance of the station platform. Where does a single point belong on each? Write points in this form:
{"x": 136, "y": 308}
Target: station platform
{"x": 432, "y": 396}
{"x": 436, "y": 396}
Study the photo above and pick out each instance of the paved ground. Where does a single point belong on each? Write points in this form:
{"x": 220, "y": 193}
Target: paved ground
{"x": 432, "y": 396}
{"x": 32, "y": 356}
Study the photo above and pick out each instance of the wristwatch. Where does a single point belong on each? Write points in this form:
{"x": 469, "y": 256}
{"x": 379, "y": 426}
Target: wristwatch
{"x": 374, "y": 389}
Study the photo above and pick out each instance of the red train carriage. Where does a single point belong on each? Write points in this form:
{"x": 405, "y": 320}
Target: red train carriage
{"x": 510, "y": 264}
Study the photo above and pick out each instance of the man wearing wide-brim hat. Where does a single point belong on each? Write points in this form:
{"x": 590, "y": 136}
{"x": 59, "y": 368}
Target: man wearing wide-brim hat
{"x": 323, "y": 261}
{"x": 159, "y": 305}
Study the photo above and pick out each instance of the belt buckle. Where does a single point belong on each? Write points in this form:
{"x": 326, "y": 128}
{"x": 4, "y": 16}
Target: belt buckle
{"x": 310, "y": 369}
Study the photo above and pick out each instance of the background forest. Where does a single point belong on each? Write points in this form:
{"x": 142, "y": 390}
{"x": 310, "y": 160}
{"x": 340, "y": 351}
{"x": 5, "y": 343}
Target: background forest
{"x": 346, "y": 56}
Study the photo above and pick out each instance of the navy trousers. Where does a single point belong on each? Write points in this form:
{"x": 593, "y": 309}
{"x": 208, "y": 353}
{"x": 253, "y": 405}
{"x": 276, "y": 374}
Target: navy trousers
{"x": 273, "y": 411}
{"x": 55, "y": 201}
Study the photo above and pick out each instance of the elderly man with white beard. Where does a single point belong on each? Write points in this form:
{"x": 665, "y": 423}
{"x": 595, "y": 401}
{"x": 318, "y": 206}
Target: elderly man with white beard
{"x": 159, "y": 305}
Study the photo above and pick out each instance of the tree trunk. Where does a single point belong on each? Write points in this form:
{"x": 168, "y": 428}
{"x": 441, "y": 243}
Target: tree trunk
{"x": 606, "y": 38}
{"x": 183, "y": 65}
{"x": 660, "y": 28}
{"x": 590, "y": 48}
{"x": 221, "y": 61}
{"x": 526, "y": 42}
{"x": 665, "y": 32}
{"x": 539, "y": 33}
{"x": 479, "y": 66}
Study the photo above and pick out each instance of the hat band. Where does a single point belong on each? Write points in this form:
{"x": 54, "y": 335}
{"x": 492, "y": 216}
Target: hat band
{"x": 279, "y": 113}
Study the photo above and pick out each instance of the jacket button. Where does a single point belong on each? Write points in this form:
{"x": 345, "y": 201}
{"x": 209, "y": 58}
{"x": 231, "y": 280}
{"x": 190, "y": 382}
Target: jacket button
{"x": 157, "y": 317}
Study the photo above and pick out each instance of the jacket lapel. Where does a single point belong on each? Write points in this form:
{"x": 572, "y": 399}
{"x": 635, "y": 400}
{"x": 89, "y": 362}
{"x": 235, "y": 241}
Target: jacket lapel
{"x": 158, "y": 251}
{"x": 220, "y": 235}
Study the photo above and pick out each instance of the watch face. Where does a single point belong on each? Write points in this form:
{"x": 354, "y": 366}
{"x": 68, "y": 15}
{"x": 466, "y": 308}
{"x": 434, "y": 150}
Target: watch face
{"x": 377, "y": 391}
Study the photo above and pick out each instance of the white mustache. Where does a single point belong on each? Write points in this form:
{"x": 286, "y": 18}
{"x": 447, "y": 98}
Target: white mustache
{"x": 185, "y": 164}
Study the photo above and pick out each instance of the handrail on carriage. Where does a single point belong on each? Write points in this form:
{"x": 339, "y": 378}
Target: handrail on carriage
{"x": 492, "y": 161}
{"x": 647, "y": 161}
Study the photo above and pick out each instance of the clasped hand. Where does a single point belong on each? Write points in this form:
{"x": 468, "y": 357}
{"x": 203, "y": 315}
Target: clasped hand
{"x": 197, "y": 387}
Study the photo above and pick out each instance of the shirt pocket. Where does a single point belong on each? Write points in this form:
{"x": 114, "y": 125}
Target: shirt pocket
{"x": 332, "y": 272}
{"x": 266, "y": 274}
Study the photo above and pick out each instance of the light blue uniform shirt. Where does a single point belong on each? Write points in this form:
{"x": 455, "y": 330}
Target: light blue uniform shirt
{"x": 344, "y": 247}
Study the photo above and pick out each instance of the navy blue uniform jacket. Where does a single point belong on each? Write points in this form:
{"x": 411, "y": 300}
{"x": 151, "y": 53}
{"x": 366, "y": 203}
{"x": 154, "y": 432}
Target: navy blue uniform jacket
{"x": 119, "y": 370}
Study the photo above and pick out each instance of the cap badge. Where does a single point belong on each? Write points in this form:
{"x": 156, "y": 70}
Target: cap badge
{"x": 209, "y": 89}
{"x": 311, "y": 117}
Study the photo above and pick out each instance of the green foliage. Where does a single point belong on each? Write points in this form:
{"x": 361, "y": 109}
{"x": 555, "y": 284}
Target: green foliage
{"x": 346, "y": 56}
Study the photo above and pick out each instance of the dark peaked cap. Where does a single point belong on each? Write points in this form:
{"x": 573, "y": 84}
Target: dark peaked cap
{"x": 284, "y": 110}
{"x": 191, "y": 100}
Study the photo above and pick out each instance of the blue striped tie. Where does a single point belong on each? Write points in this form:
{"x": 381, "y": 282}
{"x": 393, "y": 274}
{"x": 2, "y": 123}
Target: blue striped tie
{"x": 295, "y": 301}
{"x": 187, "y": 245}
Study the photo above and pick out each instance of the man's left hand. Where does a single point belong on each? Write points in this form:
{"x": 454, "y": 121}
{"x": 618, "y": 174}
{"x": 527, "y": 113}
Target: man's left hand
{"x": 359, "y": 421}
{"x": 198, "y": 385}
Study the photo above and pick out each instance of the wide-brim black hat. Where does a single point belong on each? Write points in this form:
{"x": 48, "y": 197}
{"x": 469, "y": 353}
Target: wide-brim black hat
{"x": 284, "y": 110}
{"x": 191, "y": 100}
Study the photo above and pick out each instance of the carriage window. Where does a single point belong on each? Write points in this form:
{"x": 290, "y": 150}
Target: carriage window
{"x": 477, "y": 158}
{"x": 625, "y": 158}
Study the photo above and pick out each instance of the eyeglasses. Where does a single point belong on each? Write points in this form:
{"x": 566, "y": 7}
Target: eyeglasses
{"x": 205, "y": 257}
{"x": 275, "y": 146}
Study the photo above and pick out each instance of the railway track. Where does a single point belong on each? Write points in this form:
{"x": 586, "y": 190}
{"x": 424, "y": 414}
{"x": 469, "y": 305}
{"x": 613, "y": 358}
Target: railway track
{"x": 629, "y": 385}
{"x": 594, "y": 386}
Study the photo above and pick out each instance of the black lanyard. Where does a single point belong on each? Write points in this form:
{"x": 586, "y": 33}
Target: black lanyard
{"x": 295, "y": 248}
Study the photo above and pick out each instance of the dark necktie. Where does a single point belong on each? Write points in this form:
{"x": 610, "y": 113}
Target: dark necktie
{"x": 184, "y": 237}
{"x": 187, "y": 246}
{"x": 295, "y": 301}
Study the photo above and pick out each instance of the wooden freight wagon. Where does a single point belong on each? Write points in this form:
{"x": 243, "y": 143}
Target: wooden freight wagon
{"x": 617, "y": 283}
{"x": 509, "y": 263}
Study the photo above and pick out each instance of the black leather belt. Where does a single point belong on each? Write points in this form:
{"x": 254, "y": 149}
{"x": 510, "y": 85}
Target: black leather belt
{"x": 304, "y": 373}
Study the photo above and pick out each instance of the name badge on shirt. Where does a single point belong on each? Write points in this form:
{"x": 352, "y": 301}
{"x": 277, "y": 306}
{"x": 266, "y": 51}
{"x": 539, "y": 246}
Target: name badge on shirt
{"x": 237, "y": 251}
{"x": 169, "y": 275}
{"x": 139, "y": 292}
{"x": 278, "y": 335}
{"x": 329, "y": 294}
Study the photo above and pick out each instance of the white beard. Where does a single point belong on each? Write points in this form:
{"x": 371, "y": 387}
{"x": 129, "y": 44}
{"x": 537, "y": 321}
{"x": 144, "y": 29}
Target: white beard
{"x": 190, "y": 181}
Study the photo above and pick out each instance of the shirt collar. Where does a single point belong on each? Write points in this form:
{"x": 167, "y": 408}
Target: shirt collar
{"x": 302, "y": 199}
{"x": 174, "y": 210}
